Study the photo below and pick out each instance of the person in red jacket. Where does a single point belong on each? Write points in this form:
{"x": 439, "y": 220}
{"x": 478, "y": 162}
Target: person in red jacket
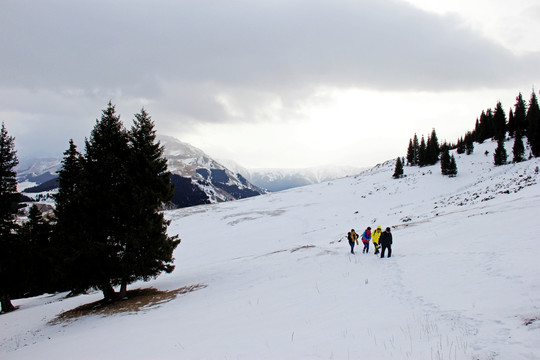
{"x": 366, "y": 238}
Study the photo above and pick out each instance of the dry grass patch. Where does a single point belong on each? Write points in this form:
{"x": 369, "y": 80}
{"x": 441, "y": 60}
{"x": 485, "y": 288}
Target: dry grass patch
{"x": 136, "y": 300}
{"x": 302, "y": 247}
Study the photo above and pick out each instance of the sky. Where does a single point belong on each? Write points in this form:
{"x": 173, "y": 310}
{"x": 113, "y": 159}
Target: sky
{"x": 267, "y": 83}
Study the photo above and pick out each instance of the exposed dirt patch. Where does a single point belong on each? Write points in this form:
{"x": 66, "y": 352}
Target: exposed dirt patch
{"x": 136, "y": 300}
{"x": 302, "y": 247}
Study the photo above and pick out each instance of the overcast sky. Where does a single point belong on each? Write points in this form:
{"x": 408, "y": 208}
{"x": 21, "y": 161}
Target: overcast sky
{"x": 267, "y": 83}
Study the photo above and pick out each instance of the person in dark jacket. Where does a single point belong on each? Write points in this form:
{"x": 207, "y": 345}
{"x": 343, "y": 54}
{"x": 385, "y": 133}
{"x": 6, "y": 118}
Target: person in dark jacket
{"x": 386, "y": 242}
{"x": 352, "y": 236}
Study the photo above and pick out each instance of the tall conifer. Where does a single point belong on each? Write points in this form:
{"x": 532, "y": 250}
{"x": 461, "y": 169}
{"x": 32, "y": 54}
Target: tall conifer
{"x": 533, "y": 125}
{"x": 518, "y": 149}
{"x": 398, "y": 171}
{"x": 520, "y": 115}
{"x": 499, "y": 123}
{"x": 500, "y": 156}
{"x": 9, "y": 252}
{"x": 148, "y": 250}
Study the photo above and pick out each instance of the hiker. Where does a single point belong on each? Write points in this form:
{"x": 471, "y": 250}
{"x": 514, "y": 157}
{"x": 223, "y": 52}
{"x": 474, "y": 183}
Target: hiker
{"x": 386, "y": 242}
{"x": 375, "y": 238}
{"x": 366, "y": 238}
{"x": 352, "y": 236}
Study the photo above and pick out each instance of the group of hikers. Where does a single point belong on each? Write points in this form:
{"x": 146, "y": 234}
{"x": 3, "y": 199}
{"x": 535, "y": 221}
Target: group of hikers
{"x": 382, "y": 240}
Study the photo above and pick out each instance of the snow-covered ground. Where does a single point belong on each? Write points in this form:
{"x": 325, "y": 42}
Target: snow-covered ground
{"x": 277, "y": 280}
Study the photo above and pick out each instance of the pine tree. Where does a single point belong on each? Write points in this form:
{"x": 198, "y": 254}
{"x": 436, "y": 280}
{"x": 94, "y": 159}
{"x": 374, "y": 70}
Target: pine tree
{"x": 452, "y": 167}
{"x": 416, "y": 147}
{"x": 477, "y": 132}
{"x": 105, "y": 202}
{"x": 398, "y": 172}
{"x": 410, "y": 153}
{"x": 445, "y": 161}
{"x": 35, "y": 237}
{"x": 500, "y": 156}
{"x": 422, "y": 161}
{"x": 499, "y": 123}
{"x": 533, "y": 125}
{"x": 520, "y": 114}
{"x": 148, "y": 250}
{"x": 9, "y": 252}
{"x": 484, "y": 128}
{"x": 519, "y": 149}
{"x": 511, "y": 124}
{"x": 460, "y": 148}
{"x": 73, "y": 259}
{"x": 432, "y": 149}
{"x": 116, "y": 190}
{"x": 469, "y": 143}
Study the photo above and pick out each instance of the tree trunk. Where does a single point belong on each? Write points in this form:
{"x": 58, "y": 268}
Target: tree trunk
{"x": 123, "y": 289}
{"x": 7, "y": 306}
{"x": 108, "y": 291}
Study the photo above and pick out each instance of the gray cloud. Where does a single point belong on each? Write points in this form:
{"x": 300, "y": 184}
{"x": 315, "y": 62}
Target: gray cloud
{"x": 181, "y": 55}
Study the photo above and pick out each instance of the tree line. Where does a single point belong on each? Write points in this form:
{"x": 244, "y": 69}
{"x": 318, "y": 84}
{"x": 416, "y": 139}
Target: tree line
{"x": 106, "y": 229}
{"x": 523, "y": 122}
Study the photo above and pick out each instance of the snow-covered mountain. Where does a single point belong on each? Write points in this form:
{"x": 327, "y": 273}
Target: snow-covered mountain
{"x": 272, "y": 277}
{"x": 283, "y": 179}
{"x": 198, "y": 178}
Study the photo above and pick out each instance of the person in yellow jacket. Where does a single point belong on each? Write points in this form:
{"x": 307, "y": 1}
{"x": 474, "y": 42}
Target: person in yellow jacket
{"x": 352, "y": 236}
{"x": 375, "y": 238}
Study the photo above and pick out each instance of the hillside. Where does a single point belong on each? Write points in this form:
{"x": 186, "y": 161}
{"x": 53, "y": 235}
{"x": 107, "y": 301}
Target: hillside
{"x": 271, "y": 277}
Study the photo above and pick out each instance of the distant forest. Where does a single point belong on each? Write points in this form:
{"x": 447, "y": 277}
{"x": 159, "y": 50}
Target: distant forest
{"x": 523, "y": 122}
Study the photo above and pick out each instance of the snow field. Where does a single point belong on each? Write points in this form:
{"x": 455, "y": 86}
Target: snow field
{"x": 462, "y": 282}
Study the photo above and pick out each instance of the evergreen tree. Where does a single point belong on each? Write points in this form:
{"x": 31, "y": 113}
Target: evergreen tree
{"x": 518, "y": 149}
{"x": 484, "y": 128}
{"x": 460, "y": 147}
{"x": 469, "y": 143}
{"x": 410, "y": 153}
{"x": 416, "y": 147}
{"x": 116, "y": 191}
{"x": 422, "y": 153}
{"x": 105, "y": 202}
{"x": 432, "y": 149}
{"x": 398, "y": 172}
{"x": 477, "y": 132}
{"x": 520, "y": 114}
{"x": 35, "y": 238}
{"x": 452, "y": 167}
{"x": 533, "y": 123}
{"x": 500, "y": 156}
{"x": 445, "y": 161}
{"x": 148, "y": 250}
{"x": 499, "y": 123}
{"x": 74, "y": 263}
{"x": 511, "y": 124}
{"x": 9, "y": 254}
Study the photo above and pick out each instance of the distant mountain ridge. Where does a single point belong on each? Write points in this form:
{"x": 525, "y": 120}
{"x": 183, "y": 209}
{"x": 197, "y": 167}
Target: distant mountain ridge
{"x": 283, "y": 179}
{"x": 198, "y": 178}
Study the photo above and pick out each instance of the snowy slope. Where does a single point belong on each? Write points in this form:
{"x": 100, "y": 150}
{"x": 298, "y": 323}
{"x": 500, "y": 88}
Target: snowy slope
{"x": 276, "y": 280}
